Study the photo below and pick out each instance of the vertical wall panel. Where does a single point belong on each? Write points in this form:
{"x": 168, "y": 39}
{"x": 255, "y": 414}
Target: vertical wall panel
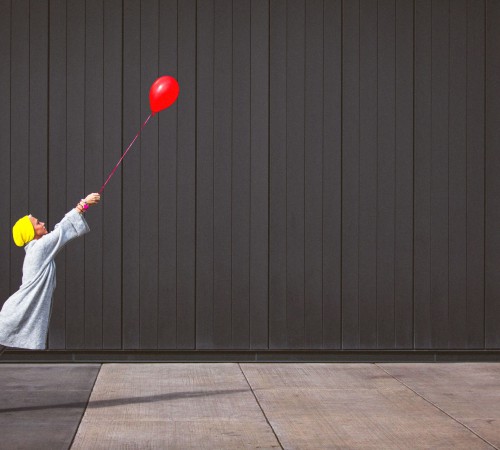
{"x": 149, "y": 181}
{"x": 205, "y": 177}
{"x": 111, "y": 202}
{"x": 350, "y": 174}
{"x": 458, "y": 176}
{"x": 259, "y": 174}
{"x": 422, "y": 173}
{"x": 131, "y": 171}
{"x": 38, "y": 108}
{"x": 6, "y": 243}
{"x": 475, "y": 173}
{"x": 94, "y": 130}
{"x": 240, "y": 199}
{"x": 73, "y": 169}
{"x": 295, "y": 103}
{"x": 492, "y": 182}
{"x": 332, "y": 175}
{"x": 386, "y": 185}
{"x": 223, "y": 54}
{"x": 439, "y": 175}
{"x": 19, "y": 129}
{"x": 186, "y": 173}
{"x": 167, "y": 163}
{"x": 313, "y": 180}
{"x": 403, "y": 270}
{"x": 277, "y": 163}
{"x": 368, "y": 180}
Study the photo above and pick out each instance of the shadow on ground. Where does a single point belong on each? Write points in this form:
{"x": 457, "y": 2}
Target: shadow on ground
{"x": 123, "y": 401}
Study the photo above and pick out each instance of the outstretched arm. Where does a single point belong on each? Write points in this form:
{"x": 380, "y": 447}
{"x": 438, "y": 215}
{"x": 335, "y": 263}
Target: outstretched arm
{"x": 71, "y": 226}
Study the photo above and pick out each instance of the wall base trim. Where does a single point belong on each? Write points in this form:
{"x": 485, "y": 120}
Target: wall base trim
{"x": 365, "y": 356}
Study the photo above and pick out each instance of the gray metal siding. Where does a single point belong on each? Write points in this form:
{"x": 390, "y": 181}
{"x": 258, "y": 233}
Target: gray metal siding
{"x": 328, "y": 179}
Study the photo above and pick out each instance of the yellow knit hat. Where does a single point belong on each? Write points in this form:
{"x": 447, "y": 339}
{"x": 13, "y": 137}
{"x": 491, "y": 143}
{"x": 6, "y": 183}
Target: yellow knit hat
{"x": 23, "y": 231}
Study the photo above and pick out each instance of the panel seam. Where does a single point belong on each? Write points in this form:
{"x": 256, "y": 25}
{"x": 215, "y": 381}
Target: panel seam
{"x": 260, "y": 406}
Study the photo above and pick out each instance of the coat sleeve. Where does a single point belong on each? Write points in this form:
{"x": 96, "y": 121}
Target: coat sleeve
{"x": 70, "y": 227}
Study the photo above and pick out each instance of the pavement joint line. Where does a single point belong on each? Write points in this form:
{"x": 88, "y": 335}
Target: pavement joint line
{"x": 437, "y": 407}
{"x": 85, "y": 409}
{"x": 260, "y": 406}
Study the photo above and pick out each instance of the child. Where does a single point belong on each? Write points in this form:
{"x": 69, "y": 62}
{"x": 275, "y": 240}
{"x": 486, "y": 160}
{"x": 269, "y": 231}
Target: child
{"x": 25, "y": 316}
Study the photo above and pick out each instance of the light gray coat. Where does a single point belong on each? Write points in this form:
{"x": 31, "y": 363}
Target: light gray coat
{"x": 25, "y": 316}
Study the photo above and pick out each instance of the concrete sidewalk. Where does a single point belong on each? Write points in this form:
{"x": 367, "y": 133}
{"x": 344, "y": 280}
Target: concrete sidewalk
{"x": 250, "y": 405}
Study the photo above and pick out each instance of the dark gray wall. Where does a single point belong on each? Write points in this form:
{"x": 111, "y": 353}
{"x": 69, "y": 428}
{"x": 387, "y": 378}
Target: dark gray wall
{"x": 328, "y": 179}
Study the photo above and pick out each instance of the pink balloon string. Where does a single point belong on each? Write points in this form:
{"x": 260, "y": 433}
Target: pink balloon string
{"x": 126, "y": 151}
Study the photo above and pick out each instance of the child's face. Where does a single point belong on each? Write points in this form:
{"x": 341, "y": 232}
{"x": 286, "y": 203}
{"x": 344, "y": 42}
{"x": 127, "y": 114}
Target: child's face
{"x": 39, "y": 227}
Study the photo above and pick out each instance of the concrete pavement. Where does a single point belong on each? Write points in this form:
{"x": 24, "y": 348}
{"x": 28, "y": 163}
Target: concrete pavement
{"x": 250, "y": 405}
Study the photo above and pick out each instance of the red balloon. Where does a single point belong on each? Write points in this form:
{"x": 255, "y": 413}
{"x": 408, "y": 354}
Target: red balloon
{"x": 163, "y": 93}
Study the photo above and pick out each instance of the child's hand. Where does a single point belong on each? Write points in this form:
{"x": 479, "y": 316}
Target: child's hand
{"x": 92, "y": 199}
